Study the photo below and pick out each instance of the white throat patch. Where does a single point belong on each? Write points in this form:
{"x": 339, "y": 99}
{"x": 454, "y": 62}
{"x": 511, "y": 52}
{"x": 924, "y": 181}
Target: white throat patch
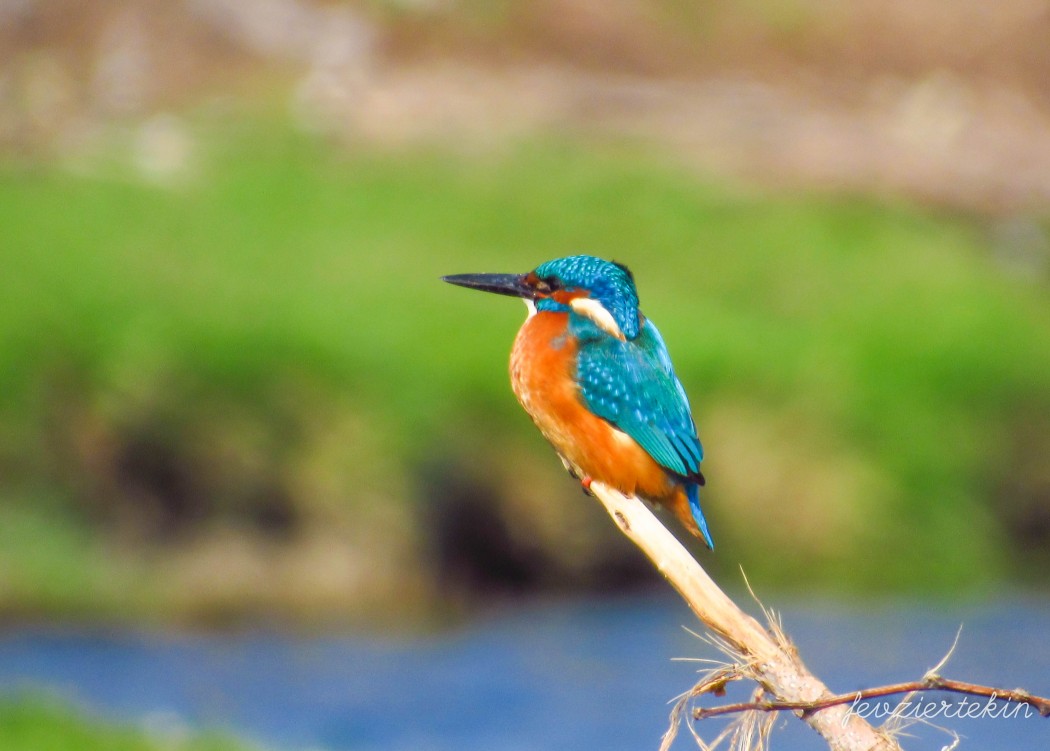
{"x": 531, "y": 306}
{"x": 597, "y": 313}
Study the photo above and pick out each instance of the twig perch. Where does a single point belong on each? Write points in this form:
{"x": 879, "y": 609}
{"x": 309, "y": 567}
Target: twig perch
{"x": 775, "y": 665}
{"x": 930, "y": 683}
{"x": 767, "y": 656}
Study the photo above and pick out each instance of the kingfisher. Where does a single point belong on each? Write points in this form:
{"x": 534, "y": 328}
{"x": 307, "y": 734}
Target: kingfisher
{"x": 595, "y": 376}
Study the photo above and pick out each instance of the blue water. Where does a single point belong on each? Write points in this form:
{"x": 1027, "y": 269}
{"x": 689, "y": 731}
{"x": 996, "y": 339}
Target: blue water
{"x": 575, "y": 675}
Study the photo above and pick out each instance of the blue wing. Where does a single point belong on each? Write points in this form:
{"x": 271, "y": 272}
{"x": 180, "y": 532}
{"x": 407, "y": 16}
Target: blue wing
{"x": 632, "y": 385}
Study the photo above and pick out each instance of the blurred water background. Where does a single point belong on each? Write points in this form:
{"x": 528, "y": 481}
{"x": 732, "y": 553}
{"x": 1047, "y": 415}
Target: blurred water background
{"x": 238, "y": 410}
{"x": 557, "y": 675}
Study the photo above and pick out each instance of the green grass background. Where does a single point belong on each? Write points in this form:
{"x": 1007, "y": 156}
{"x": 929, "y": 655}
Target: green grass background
{"x": 872, "y": 385}
{"x": 47, "y": 725}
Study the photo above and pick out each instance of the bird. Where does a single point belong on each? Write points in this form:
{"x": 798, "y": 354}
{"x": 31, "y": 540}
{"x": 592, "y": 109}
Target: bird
{"x": 594, "y": 374}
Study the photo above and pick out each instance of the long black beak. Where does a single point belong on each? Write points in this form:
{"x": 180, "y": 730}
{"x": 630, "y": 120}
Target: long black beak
{"x": 502, "y": 284}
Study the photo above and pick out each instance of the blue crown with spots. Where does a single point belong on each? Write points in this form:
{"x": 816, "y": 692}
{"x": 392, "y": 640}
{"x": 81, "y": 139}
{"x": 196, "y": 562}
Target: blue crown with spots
{"x": 611, "y": 284}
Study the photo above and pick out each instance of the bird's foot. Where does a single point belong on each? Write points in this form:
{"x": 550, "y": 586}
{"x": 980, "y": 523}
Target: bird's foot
{"x": 585, "y": 483}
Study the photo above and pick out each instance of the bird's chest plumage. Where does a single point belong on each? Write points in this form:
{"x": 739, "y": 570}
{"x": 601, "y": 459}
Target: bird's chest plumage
{"x": 543, "y": 376}
{"x": 543, "y": 371}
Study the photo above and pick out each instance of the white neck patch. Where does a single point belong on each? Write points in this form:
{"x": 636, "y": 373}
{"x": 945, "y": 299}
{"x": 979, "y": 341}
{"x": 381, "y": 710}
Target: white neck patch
{"x": 593, "y": 310}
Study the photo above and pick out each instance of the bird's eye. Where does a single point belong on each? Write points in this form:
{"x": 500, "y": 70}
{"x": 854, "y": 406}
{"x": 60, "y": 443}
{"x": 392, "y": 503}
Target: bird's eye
{"x": 547, "y": 285}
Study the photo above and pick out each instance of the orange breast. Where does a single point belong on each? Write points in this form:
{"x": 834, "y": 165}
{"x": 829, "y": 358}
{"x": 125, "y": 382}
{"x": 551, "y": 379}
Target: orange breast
{"x": 542, "y": 371}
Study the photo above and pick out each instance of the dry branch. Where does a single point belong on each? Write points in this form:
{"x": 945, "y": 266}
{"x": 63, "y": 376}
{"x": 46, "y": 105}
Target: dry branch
{"x": 765, "y": 656}
{"x": 930, "y": 683}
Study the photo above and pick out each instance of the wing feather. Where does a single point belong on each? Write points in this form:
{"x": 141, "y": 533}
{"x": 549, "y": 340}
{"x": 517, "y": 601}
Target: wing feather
{"x": 633, "y": 386}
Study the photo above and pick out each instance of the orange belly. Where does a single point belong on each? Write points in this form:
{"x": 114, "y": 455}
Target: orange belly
{"x": 542, "y": 371}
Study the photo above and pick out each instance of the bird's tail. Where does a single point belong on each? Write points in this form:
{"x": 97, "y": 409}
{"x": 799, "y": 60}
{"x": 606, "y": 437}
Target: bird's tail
{"x": 689, "y": 513}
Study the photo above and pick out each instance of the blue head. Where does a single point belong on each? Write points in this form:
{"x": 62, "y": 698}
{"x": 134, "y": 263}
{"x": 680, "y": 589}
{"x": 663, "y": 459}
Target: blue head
{"x": 600, "y": 294}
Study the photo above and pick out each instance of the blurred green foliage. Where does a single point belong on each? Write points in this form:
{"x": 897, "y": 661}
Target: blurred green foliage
{"x": 46, "y": 725}
{"x": 867, "y": 378}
